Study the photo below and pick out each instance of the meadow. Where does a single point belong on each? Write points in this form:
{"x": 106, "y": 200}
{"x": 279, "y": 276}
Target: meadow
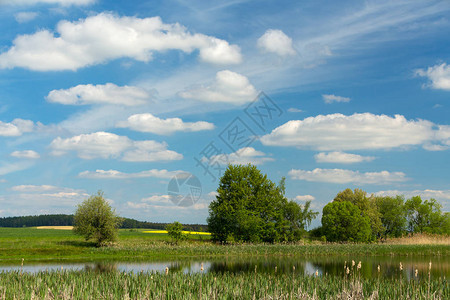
{"x": 34, "y": 244}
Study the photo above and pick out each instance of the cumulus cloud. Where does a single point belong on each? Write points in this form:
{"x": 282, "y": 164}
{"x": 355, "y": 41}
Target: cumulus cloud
{"x": 104, "y": 37}
{"x": 276, "y": 41}
{"x": 440, "y": 195}
{"x": 347, "y": 176}
{"x": 25, "y": 16}
{"x": 26, "y": 154}
{"x": 17, "y": 127}
{"x": 108, "y": 145}
{"x": 357, "y": 132}
{"x": 333, "y": 98}
{"x": 228, "y": 87}
{"x": 304, "y": 198}
{"x": 60, "y": 2}
{"x": 243, "y": 156}
{"x": 100, "y": 94}
{"x": 114, "y": 174}
{"x": 149, "y": 123}
{"x": 341, "y": 158}
{"x": 438, "y": 75}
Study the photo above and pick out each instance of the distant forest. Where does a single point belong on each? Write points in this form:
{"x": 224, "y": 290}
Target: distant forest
{"x": 67, "y": 220}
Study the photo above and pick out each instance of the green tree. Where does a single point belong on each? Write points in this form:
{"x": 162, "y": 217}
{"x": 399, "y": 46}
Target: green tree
{"x": 393, "y": 215}
{"x": 175, "y": 231}
{"x": 425, "y": 216}
{"x": 343, "y": 221}
{"x": 250, "y": 207}
{"x": 367, "y": 206}
{"x": 95, "y": 219}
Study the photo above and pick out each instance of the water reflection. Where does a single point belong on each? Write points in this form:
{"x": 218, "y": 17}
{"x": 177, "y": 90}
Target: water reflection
{"x": 323, "y": 266}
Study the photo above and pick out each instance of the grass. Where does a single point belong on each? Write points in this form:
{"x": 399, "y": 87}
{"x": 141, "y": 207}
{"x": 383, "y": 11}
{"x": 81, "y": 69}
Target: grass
{"x": 177, "y": 285}
{"x": 48, "y": 244}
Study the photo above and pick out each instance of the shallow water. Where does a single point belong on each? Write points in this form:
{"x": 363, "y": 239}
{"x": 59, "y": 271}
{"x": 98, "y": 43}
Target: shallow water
{"x": 330, "y": 266}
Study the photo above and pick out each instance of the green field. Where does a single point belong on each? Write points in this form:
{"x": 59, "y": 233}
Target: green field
{"x": 34, "y": 244}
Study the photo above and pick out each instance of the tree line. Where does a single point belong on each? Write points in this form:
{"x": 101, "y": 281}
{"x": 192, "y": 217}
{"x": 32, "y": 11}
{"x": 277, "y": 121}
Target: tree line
{"x": 359, "y": 217}
{"x": 249, "y": 207}
{"x": 68, "y": 220}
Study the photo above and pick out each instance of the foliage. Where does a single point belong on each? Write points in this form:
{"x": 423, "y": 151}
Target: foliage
{"x": 426, "y": 216}
{"x": 393, "y": 215}
{"x": 249, "y": 207}
{"x": 367, "y": 206}
{"x": 95, "y": 219}
{"x": 343, "y": 221}
{"x": 175, "y": 231}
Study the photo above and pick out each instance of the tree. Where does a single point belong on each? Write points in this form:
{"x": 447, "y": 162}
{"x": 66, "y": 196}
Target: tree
{"x": 393, "y": 215}
{"x": 249, "y": 207}
{"x": 367, "y": 206}
{"x": 175, "y": 231}
{"x": 95, "y": 219}
{"x": 426, "y": 216}
{"x": 343, "y": 221}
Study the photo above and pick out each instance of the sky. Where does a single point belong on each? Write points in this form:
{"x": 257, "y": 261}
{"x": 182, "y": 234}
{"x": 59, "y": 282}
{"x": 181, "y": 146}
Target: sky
{"x": 148, "y": 101}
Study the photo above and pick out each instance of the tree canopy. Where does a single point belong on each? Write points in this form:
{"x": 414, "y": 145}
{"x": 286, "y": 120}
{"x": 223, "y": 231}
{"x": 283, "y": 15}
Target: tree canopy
{"x": 250, "y": 207}
{"x": 95, "y": 219}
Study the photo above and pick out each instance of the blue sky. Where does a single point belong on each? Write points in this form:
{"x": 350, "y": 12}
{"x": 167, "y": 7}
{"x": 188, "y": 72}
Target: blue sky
{"x": 122, "y": 96}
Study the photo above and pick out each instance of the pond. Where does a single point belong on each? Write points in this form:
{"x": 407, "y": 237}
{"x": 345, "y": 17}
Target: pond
{"x": 330, "y": 266}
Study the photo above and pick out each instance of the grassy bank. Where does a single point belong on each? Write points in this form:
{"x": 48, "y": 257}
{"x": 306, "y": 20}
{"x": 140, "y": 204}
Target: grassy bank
{"x": 46, "y": 244}
{"x": 121, "y": 285}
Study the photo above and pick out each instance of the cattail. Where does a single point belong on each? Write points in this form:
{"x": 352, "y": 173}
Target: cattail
{"x": 256, "y": 268}
{"x": 293, "y": 268}
{"x": 275, "y": 269}
{"x": 416, "y": 273}
{"x": 167, "y": 270}
{"x": 317, "y": 273}
{"x": 359, "y": 265}
{"x": 429, "y": 265}
{"x": 201, "y": 267}
{"x": 345, "y": 265}
{"x": 353, "y": 263}
{"x": 379, "y": 269}
{"x": 348, "y": 270}
{"x": 401, "y": 267}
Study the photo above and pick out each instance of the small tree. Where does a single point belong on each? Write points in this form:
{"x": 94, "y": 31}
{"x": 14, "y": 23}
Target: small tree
{"x": 95, "y": 219}
{"x": 175, "y": 231}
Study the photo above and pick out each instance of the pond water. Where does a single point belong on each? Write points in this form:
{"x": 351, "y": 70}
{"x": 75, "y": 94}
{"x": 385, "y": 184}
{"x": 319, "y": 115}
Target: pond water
{"x": 330, "y": 266}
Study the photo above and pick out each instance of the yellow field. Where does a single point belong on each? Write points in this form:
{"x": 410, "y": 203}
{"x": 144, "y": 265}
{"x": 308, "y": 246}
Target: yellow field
{"x": 55, "y": 227}
{"x": 185, "y": 232}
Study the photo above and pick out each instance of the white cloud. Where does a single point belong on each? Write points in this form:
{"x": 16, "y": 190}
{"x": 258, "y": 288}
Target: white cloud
{"x": 60, "y": 2}
{"x": 104, "y": 37}
{"x": 16, "y": 128}
{"x": 439, "y": 76}
{"x": 334, "y": 98}
{"x": 26, "y": 154}
{"x": 356, "y": 132}
{"x": 34, "y": 188}
{"x": 228, "y": 87}
{"x": 294, "y": 110}
{"x": 108, "y": 145}
{"x": 440, "y": 195}
{"x": 149, "y": 123}
{"x": 114, "y": 174}
{"x": 276, "y": 41}
{"x": 341, "y": 158}
{"x": 347, "y": 176}
{"x": 100, "y": 94}
{"x": 243, "y": 156}
{"x": 25, "y": 16}
{"x": 304, "y": 198}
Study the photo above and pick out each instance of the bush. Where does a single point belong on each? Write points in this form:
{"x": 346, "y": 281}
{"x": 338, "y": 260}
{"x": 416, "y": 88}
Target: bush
{"x": 96, "y": 220}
